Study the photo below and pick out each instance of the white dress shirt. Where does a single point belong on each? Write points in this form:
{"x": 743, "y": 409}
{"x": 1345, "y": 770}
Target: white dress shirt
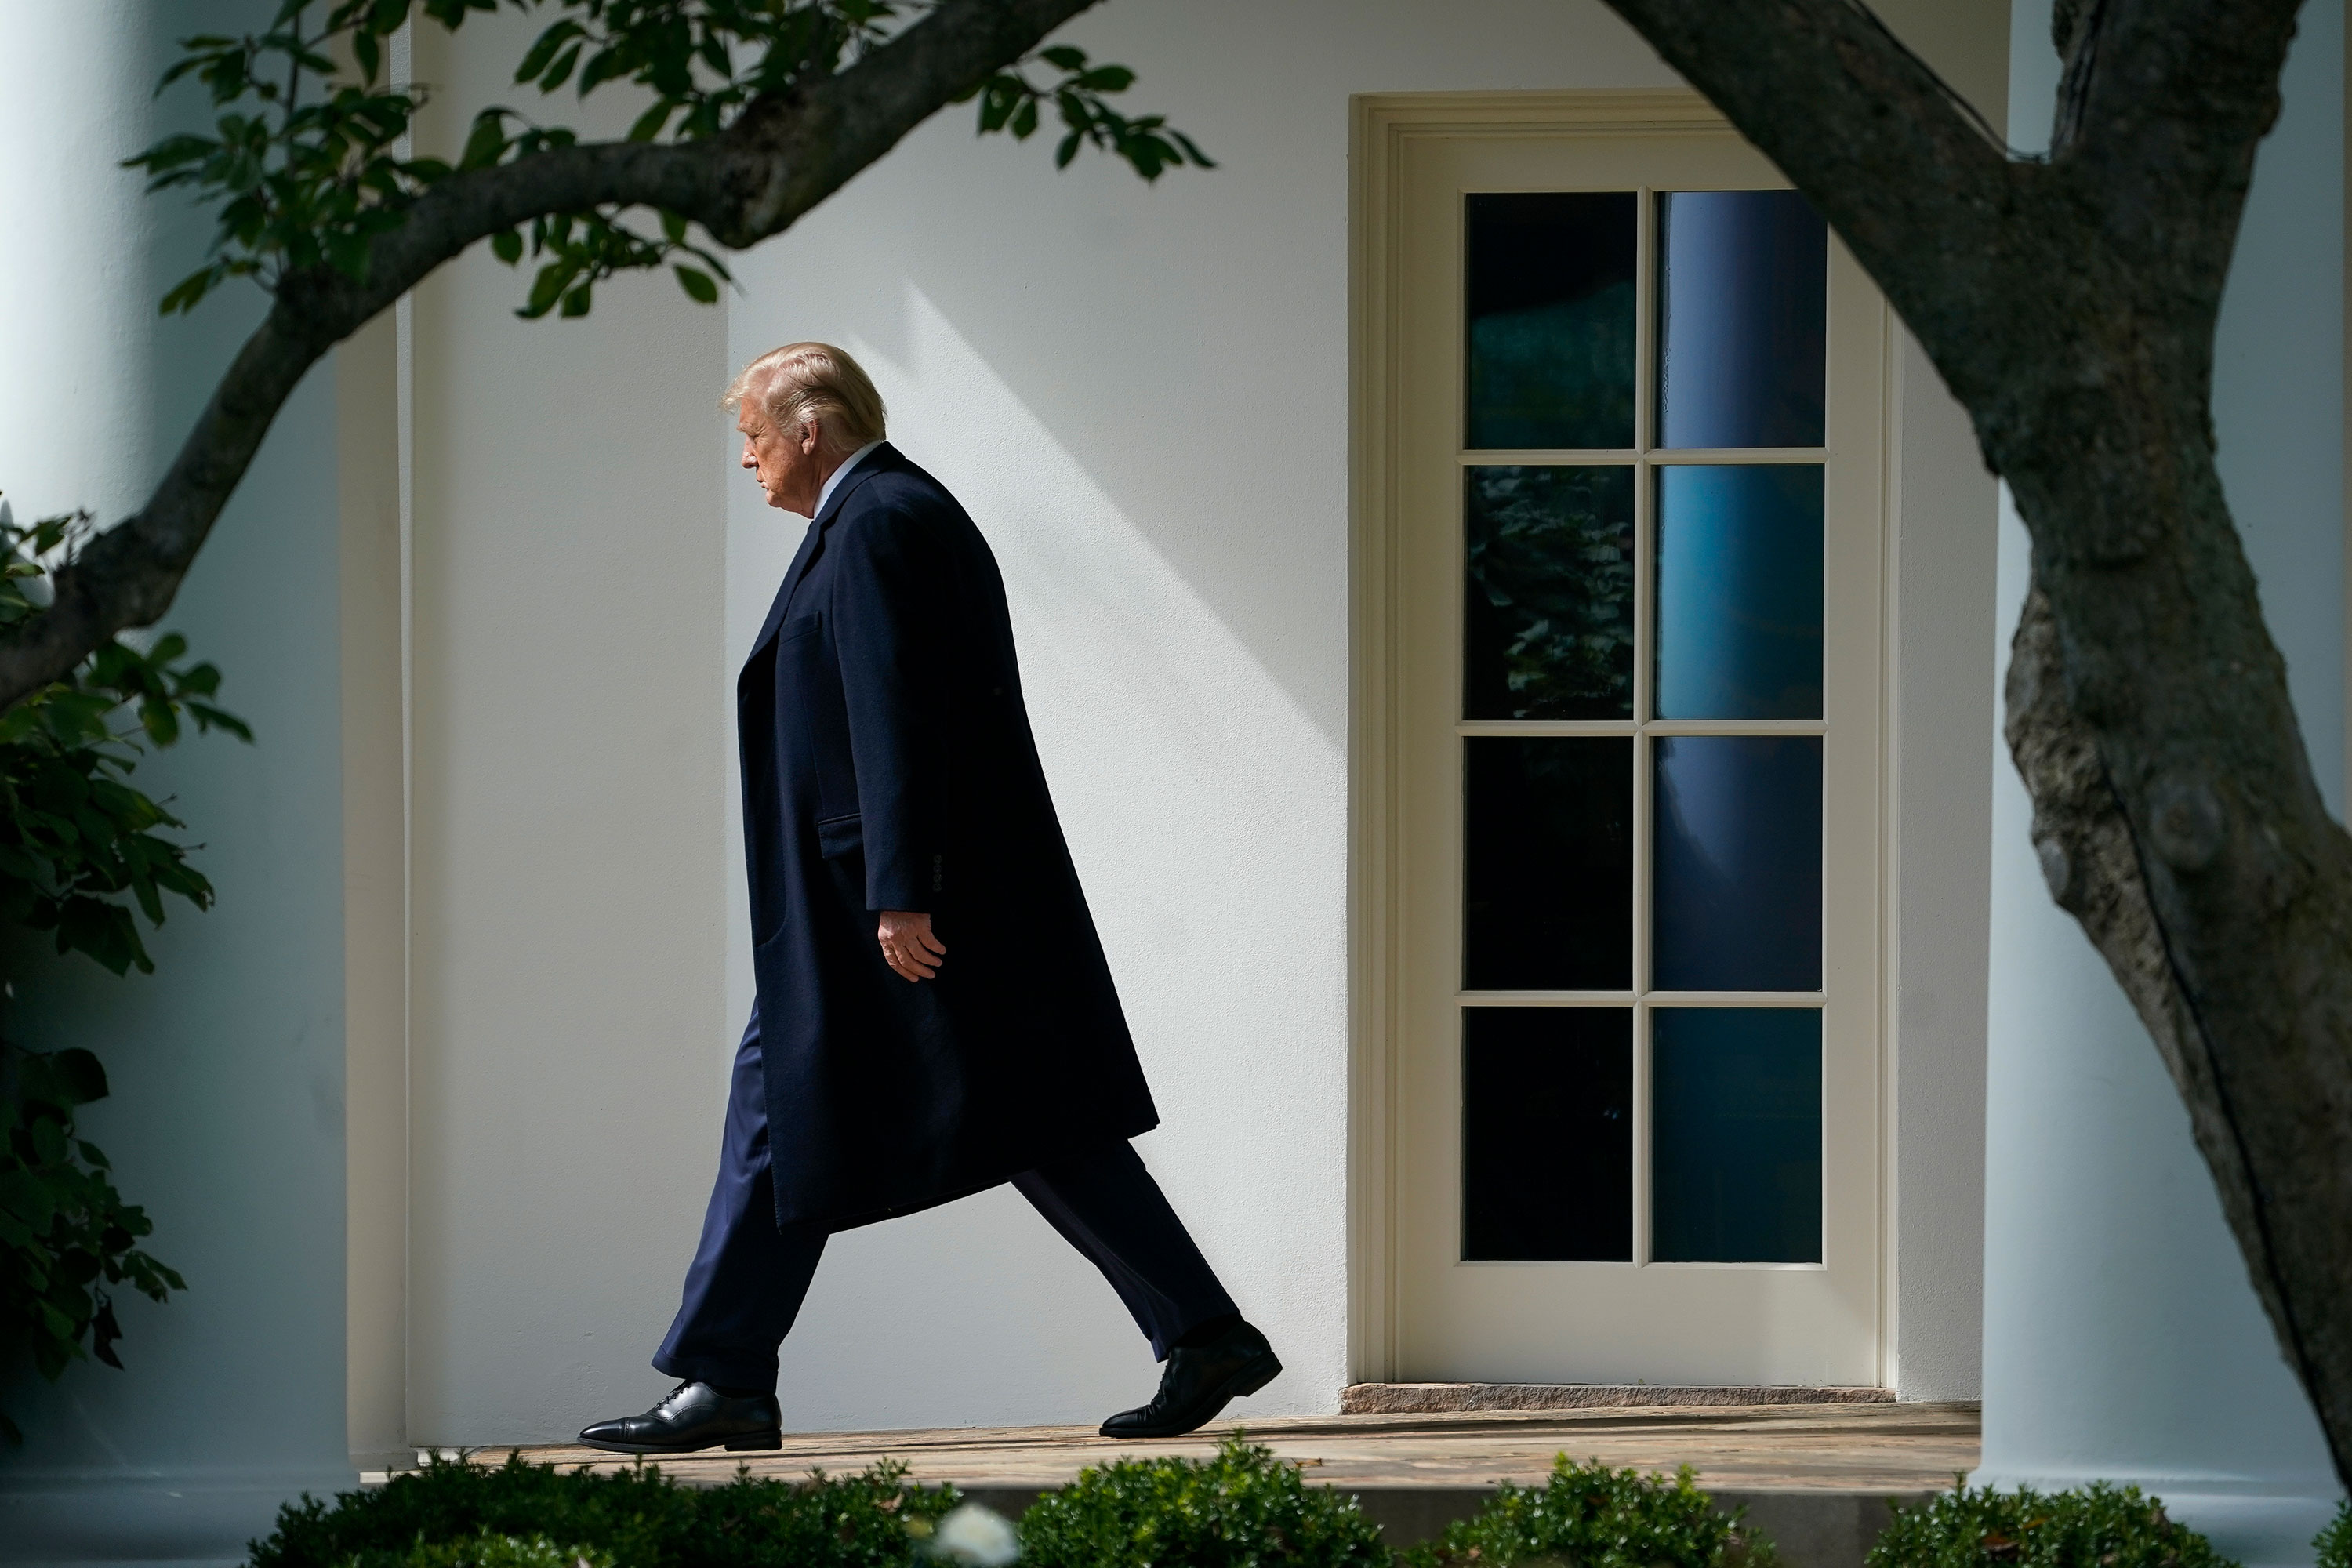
{"x": 833, "y": 480}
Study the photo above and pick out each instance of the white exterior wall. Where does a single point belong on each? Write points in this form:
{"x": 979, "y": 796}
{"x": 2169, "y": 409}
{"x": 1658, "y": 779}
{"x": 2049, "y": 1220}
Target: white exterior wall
{"x": 1142, "y": 395}
{"x": 569, "y": 721}
{"x": 227, "y": 1065}
{"x": 2122, "y": 1339}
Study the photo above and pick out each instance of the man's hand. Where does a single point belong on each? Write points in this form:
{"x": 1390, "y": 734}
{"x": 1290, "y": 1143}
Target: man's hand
{"x": 908, "y": 946}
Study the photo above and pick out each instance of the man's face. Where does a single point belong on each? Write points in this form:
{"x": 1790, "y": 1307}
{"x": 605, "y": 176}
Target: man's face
{"x": 784, "y": 462}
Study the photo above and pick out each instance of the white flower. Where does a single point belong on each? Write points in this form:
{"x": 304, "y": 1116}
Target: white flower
{"x": 976, "y": 1534}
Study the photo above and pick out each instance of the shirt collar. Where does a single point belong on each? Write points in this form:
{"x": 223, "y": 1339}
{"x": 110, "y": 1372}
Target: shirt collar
{"x": 833, "y": 480}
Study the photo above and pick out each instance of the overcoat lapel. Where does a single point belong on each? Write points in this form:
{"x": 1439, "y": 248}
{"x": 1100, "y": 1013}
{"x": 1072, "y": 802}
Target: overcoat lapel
{"x": 813, "y": 541}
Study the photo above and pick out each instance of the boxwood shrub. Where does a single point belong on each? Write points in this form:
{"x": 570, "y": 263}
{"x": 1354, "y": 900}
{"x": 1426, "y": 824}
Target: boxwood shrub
{"x": 1594, "y": 1517}
{"x": 2098, "y": 1526}
{"x": 2334, "y": 1545}
{"x": 519, "y": 1515}
{"x": 1244, "y": 1508}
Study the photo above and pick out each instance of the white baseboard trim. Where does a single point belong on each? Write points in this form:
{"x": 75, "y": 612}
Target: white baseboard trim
{"x": 131, "y": 1518}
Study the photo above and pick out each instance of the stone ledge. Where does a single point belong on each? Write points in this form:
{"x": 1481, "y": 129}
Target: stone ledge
{"x": 1445, "y": 1398}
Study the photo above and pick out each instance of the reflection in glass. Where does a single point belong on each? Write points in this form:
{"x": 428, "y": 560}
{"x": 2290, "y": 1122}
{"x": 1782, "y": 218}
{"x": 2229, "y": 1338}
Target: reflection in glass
{"x": 1740, "y": 592}
{"x": 1548, "y": 1133}
{"x": 1736, "y": 1135}
{"x": 1547, "y": 863}
{"x": 1737, "y": 873}
{"x": 1741, "y": 303}
{"x": 1551, "y": 305}
{"x": 1548, "y": 612}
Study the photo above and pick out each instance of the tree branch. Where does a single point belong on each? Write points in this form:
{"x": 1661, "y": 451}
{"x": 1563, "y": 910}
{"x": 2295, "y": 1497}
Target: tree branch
{"x": 1880, "y": 145}
{"x": 780, "y": 158}
{"x": 2072, "y": 305}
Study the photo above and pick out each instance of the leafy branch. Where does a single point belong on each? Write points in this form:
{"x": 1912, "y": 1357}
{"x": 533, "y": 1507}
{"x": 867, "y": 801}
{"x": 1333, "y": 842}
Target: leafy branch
{"x": 306, "y": 181}
{"x": 76, "y": 839}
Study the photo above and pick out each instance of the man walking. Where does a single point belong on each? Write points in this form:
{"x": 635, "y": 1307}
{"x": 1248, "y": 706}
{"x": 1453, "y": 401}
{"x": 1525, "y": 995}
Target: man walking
{"x": 935, "y": 1016}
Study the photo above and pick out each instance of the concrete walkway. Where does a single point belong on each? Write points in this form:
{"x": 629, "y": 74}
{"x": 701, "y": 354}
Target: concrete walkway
{"x": 1817, "y": 1479}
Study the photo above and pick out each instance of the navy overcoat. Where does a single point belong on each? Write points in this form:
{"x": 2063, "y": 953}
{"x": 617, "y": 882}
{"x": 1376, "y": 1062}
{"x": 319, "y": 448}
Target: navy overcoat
{"x": 888, "y": 765}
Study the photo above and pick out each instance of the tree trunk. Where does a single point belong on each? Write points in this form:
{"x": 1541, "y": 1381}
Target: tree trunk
{"x": 2071, "y": 306}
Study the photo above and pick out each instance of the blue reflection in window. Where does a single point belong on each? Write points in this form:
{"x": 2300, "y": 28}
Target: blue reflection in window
{"x": 1741, "y": 308}
{"x": 1740, "y": 592}
{"x": 1736, "y": 1139}
{"x": 1736, "y": 898}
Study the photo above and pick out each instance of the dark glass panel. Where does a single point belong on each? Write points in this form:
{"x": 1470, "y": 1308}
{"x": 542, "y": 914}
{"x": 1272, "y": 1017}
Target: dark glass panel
{"x": 1736, "y": 1135}
{"x": 1736, "y": 888}
{"x": 1740, "y": 592}
{"x": 1547, "y": 863}
{"x": 1551, "y": 308}
{"x": 1548, "y": 1133}
{"x": 1548, "y": 612}
{"x": 1741, "y": 306}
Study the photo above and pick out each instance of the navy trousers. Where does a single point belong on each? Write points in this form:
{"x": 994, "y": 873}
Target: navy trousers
{"x": 749, "y": 1275}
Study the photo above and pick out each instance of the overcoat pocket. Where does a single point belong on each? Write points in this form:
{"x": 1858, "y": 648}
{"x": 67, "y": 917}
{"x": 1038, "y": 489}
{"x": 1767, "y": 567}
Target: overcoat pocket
{"x": 839, "y": 836}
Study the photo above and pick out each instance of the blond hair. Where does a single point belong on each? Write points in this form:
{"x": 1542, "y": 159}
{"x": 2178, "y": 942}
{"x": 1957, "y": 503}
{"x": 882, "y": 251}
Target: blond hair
{"x": 812, "y": 381}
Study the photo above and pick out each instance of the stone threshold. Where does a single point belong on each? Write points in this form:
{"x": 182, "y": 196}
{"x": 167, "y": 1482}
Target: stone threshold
{"x": 1447, "y": 1399}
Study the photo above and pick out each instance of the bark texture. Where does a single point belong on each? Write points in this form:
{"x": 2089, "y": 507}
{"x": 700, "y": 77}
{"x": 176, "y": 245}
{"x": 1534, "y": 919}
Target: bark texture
{"x": 2071, "y": 305}
{"x": 781, "y": 157}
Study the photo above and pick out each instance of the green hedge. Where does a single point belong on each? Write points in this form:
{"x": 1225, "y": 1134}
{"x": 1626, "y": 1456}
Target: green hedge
{"x": 637, "y": 1518}
{"x": 2098, "y": 1526}
{"x": 1595, "y": 1517}
{"x": 1245, "y": 1508}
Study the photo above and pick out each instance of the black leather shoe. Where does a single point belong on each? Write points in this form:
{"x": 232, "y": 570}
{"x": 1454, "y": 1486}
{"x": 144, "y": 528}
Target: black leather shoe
{"x": 1197, "y": 1383}
{"x": 693, "y": 1415}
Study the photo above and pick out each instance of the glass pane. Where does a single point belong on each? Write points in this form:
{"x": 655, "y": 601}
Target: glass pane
{"x": 1738, "y": 888}
{"x": 1548, "y": 612}
{"x": 1550, "y": 310}
{"x": 1740, "y": 592}
{"x": 1735, "y": 1140}
{"x": 1547, "y": 863}
{"x": 1741, "y": 303}
{"x": 1548, "y": 1133}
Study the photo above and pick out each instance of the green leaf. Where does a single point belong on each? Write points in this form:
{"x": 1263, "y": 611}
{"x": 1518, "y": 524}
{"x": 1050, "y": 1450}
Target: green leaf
{"x": 507, "y": 246}
{"x": 698, "y": 285}
{"x": 560, "y": 71}
{"x": 575, "y": 303}
{"x": 78, "y": 1074}
{"x": 487, "y": 142}
{"x": 535, "y": 59}
{"x": 650, "y": 123}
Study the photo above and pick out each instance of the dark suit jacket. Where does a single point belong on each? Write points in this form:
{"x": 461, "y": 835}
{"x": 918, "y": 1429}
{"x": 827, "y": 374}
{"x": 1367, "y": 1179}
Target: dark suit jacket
{"x": 888, "y": 765}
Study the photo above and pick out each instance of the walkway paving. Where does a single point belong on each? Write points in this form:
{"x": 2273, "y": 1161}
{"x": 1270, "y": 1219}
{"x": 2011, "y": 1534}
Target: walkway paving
{"x": 1877, "y": 1448}
{"x": 1815, "y": 1477}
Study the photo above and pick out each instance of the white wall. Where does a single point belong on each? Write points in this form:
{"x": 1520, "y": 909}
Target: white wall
{"x": 1142, "y": 395}
{"x": 227, "y": 1065}
{"x": 569, "y": 727}
{"x": 2122, "y": 1337}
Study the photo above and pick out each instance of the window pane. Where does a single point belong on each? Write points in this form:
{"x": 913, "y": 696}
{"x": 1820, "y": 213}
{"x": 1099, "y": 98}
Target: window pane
{"x": 1548, "y": 858}
{"x": 1550, "y": 313}
{"x": 1735, "y": 1140}
{"x": 1740, "y": 592}
{"x": 1741, "y": 305}
{"x": 1737, "y": 851}
{"x": 1548, "y": 612}
{"x": 1548, "y": 1133}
